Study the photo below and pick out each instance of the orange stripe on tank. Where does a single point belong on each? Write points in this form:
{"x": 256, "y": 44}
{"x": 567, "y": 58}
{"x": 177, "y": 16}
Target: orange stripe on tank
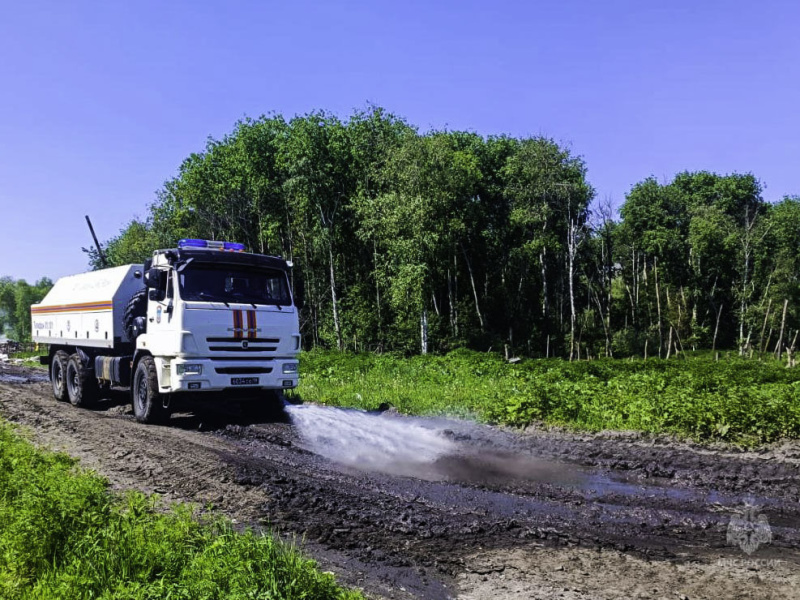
{"x": 82, "y": 306}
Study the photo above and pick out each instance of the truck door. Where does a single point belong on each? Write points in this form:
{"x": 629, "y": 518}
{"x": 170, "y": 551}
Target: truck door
{"x": 162, "y": 320}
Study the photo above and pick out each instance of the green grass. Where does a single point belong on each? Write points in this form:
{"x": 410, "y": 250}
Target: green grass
{"x": 63, "y": 535}
{"x": 24, "y": 355}
{"x": 739, "y": 400}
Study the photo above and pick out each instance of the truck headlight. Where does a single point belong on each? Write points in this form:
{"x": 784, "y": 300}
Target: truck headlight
{"x": 290, "y": 367}
{"x": 189, "y": 369}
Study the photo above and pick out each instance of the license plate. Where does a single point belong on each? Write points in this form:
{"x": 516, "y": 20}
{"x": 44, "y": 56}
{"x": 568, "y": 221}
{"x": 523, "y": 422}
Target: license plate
{"x": 244, "y": 380}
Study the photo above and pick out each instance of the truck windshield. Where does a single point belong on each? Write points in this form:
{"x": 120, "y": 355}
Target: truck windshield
{"x": 231, "y": 283}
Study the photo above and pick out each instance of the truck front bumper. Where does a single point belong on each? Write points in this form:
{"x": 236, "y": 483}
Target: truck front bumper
{"x": 215, "y": 375}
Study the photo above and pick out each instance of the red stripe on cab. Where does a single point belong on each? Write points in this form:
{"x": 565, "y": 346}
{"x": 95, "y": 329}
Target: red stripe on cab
{"x": 251, "y": 324}
{"x": 237, "y": 324}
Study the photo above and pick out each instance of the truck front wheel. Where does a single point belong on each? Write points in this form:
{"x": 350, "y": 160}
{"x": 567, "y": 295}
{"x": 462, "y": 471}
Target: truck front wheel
{"x": 81, "y": 384}
{"x": 58, "y": 375}
{"x": 148, "y": 404}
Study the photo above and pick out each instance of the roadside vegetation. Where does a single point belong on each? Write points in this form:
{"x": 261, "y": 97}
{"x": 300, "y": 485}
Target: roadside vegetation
{"x": 16, "y": 297}
{"x": 63, "y": 535}
{"x": 734, "y": 399}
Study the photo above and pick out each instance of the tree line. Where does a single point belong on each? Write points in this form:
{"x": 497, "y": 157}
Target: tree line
{"x": 16, "y": 297}
{"x": 426, "y": 241}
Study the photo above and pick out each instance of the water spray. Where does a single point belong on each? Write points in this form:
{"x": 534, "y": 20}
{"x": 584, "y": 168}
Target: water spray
{"x": 401, "y": 446}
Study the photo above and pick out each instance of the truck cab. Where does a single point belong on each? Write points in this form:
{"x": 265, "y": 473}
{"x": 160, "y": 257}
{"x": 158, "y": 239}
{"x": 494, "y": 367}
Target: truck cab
{"x": 203, "y": 320}
{"x": 219, "y": 319}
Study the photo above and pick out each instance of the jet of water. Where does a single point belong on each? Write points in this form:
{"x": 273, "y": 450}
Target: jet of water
{"x": 400, "y": 446}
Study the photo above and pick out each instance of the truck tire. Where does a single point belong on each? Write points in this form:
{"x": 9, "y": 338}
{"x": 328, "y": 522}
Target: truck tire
{"x": 81, "y": 384}
{"x": 58, "y": 375}
{"x": 148, "y": 404}
{"x": 136, "y": 307}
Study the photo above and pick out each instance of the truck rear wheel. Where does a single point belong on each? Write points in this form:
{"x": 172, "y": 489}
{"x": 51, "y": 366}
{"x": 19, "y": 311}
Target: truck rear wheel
{"x": 81, "y": 384}
{"x": 148, "y": 403}
{"x": 58, "y": 375}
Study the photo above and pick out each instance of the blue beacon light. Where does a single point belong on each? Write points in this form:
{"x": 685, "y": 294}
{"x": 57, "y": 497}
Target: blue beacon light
{"x": 211, "y": 244}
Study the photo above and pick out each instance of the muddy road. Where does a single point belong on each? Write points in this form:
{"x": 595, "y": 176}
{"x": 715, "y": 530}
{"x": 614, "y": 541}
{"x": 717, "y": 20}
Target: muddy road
{"x": 426, "y": 508}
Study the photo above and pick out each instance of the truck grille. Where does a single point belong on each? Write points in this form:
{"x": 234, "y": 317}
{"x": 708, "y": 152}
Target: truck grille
{"x": 240, "y": 349}
{"x": 240, "y": 340}
{"x": 242, "y": 370}
{"x": 246, "y": 345}
{"x": 241, "y": 358}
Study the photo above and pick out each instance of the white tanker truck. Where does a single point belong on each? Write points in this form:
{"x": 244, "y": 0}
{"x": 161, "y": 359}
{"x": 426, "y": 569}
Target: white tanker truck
{"x": 205, "y": 319}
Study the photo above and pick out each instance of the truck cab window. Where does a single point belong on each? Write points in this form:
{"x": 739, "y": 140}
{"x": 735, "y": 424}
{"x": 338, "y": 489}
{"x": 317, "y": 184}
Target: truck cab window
{"x": 233, "y": 283}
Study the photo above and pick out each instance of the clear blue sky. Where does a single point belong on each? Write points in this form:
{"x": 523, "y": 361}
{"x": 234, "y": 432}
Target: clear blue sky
{"x": 101, "y": 101}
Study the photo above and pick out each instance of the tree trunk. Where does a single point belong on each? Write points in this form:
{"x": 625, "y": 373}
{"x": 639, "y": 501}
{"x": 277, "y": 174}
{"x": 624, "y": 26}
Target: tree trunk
{"x": 603, "y": 322}
{"x": 474, "y": 289}
{"x": 455, "y": 290}
{"x": 778, "y": 348}
{"x": 334, "y": 301}
{"x": 716, "y": 329}
{"x": 743, "y": 301}
{"x": 377, "y": 289}
{"x": 790, "y": 361}
{"x": 545, "y": 301}
{"x": 424, "y": 331}
{"x": 452, "y": 302}
{"x": 313, "y": 295}
{"x": 572, "y": 248}
{"x": 669, "y": 343}
{"x": 761, "y": 347}
{"x": 658, "y": 306}
{"x": 571, "y": 310}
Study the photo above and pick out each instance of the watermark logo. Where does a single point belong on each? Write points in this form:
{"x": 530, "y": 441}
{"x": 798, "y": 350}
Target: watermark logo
{"x": 749, "y": 530}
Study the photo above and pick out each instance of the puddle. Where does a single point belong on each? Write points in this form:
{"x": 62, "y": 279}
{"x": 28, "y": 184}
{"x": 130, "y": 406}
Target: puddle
{"x": 414, "y": 447}
{"x": 8, "y": 378}
{"x": 427, "y": 449}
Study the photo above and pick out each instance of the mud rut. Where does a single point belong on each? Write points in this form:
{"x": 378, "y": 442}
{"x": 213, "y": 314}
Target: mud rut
{"x": 536, "y": 515}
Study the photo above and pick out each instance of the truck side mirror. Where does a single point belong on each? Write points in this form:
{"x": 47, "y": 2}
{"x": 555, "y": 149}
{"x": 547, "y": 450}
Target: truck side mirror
{"x": 156, "y": 281}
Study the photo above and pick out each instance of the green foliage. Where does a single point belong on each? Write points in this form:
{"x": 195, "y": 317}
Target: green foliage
{"x": 388, "y": 227}
{"x": 735, "y": 399}
{"x": 62, "y": 535}
{"x": 16, "y": 297}
{"x": 409, "y": 241}
{"x": 702, "y": 239}
{"x": 134, "y": 244}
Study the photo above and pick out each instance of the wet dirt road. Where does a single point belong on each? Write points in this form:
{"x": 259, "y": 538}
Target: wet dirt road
{"x": 416, "y": 508}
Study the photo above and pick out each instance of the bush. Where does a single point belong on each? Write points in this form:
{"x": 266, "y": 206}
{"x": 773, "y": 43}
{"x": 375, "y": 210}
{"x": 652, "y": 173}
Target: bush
{"x": 62, "y": 535}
